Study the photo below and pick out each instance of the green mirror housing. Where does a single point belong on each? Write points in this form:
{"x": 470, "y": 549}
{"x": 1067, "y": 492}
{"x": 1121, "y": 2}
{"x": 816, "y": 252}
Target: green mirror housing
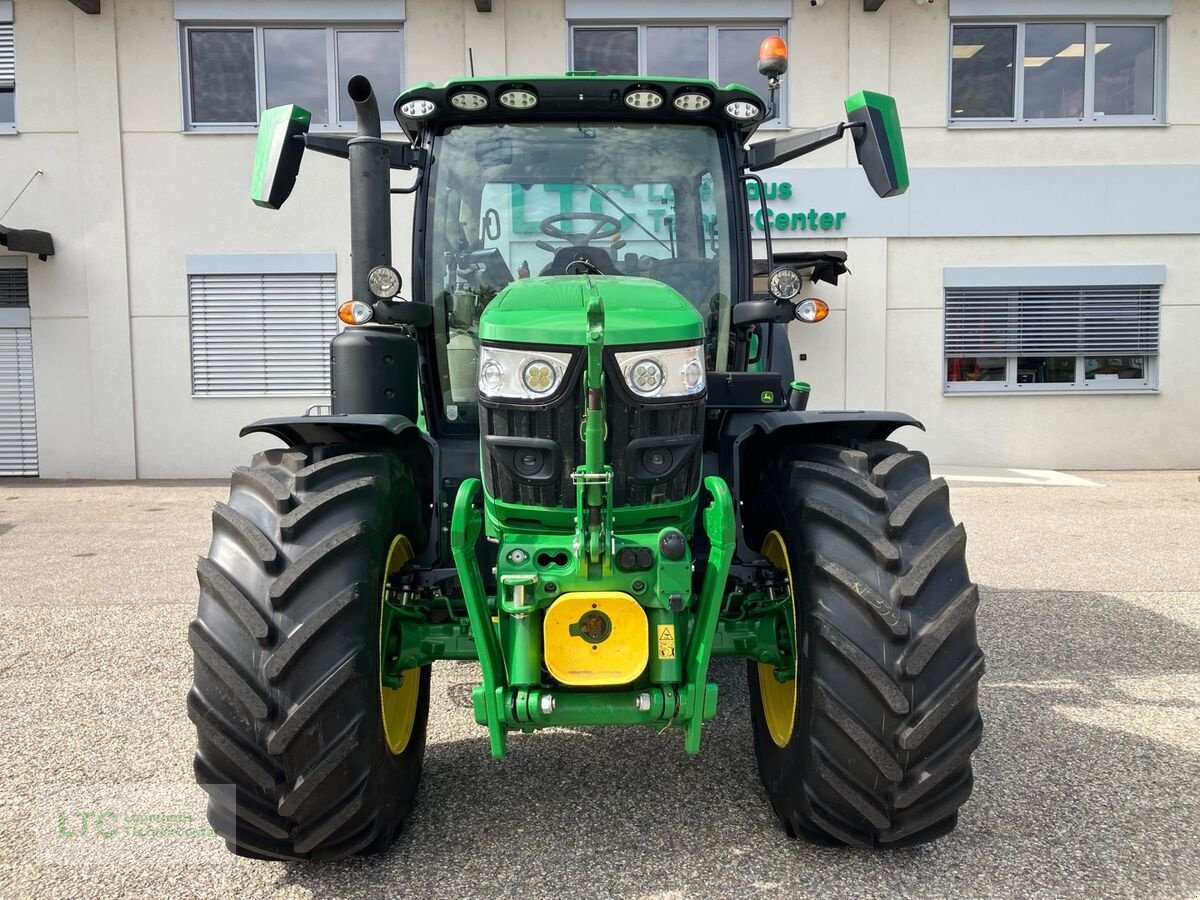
{"x": 878, "y": 142}
{"x": 277, "y": 154}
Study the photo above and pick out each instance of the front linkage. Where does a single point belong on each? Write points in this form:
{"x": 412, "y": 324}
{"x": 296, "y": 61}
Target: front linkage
{"x": 642, "y": 630}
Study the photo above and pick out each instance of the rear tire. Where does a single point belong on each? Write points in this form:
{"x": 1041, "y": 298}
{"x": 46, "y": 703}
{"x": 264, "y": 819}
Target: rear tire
{"x": 877, "y": 753}
{"x": 286, "y": 698}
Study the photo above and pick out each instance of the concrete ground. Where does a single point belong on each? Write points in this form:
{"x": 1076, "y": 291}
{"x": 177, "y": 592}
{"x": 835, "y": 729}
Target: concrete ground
{"x": 1087, "y": 783}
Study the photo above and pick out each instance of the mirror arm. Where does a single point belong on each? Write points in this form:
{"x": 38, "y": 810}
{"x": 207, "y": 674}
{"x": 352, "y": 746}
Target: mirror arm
{"x": 326, "y": 143}
{"x": 749, "y": 313}
{"x": 766, "y": 154}
{"x": 401, "y": 155}
{"x": 412, "y": 187}
{"x": 405, "y": 156}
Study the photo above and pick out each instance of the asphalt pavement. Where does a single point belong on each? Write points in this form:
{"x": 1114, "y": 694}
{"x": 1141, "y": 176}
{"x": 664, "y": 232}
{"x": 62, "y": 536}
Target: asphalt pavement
{"x": 1087, "y": 782}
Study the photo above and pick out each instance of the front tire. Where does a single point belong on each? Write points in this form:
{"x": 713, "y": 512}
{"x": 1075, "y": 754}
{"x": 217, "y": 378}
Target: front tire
{"x": 871, "y": 744}
{"x": 287, "y": 699}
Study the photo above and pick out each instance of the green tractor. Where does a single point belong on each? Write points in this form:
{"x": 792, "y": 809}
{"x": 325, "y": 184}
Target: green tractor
{"x": 578, "y": 456}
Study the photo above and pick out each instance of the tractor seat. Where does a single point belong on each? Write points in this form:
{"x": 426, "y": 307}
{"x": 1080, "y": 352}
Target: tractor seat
{"x": 597, "y": 256}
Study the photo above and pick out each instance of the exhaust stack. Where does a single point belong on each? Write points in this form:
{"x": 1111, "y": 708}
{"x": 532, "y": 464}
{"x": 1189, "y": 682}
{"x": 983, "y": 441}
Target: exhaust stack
{"x": 370, "y": 191}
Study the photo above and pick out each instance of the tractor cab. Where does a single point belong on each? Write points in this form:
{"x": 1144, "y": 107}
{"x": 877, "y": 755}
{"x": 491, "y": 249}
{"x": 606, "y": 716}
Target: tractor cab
{"x": 606, "y": 177}
{"x": 520, "y": 205}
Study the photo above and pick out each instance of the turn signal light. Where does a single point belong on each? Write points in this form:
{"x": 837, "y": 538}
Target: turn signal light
{"x": 355, "y": 312}
{"x": 812, "y": 310}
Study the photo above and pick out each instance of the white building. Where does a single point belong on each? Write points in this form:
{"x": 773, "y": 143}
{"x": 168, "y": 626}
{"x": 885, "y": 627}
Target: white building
{"x": 1032, "y": 298}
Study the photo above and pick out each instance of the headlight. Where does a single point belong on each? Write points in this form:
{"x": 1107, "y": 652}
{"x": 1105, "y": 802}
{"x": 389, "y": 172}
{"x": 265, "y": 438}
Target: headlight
{"x": 643, "y": 100}
{"x": 470, "y": 101}
{"x": 518, "y": 98}
{"x": 670, "y": 372}
{"x": 742, "y": 110}
{"x": 384, "y": 282}
{"x": 784, "y": 283}
{"x": 692, "y": 101}
{"x": 418, "y": 109}
{"x": 506, "y": 373}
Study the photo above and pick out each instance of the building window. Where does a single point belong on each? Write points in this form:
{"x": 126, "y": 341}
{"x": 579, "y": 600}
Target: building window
{"x": 8, "y": 77}
{"x": 233, "y": 72}
{"x": 256, "y": 333}
{"x": 18, "y": 415}
{"x": 1039, "y": 339}
{"x": 722, "y": 53}
{"x": 1056, "y": 73}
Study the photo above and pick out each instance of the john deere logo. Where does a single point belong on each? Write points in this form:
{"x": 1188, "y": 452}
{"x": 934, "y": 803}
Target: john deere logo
{"x": 767, "y": 397}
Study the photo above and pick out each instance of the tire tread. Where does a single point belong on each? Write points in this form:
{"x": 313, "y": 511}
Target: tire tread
{"x": 887, "y": 717}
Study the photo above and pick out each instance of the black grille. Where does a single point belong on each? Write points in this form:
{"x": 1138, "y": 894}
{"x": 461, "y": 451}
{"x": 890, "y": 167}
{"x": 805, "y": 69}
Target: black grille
{"x": 633, "y": 429}
{"x": 628, "y": 423}
{"x": 559, "y": 424}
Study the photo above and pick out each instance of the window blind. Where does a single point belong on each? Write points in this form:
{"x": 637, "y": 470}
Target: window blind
{"x": 8, "y": 57}
{"x": 261, "y": 334}
{"x": 1052, "y": 321}
{"x": 14, "y": 287}
{"x": 18, "y": 423}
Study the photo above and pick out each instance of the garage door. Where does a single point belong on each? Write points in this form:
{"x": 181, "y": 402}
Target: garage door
{"x": 18, "y": 425}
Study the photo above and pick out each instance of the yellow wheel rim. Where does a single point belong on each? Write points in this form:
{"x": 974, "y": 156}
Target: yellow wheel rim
{"x": 398, "y": 705}
{"x": 778, "y": 698}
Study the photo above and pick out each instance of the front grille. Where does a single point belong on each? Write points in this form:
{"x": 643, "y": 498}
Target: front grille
{"x": 559, "y": 424}
{"x": 628, "y": 422}
{"x": 679, "y": 425}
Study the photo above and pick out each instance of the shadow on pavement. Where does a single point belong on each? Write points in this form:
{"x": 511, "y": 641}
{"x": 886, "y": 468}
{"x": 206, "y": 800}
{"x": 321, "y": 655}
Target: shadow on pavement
{"x": 1086, "y": 784}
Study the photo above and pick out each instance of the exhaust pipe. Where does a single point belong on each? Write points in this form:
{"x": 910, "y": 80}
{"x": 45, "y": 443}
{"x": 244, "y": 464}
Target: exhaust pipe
{"x": 373, "y": 370}
{"x": 366, "y": 110}
{"x": 370, "y": 191}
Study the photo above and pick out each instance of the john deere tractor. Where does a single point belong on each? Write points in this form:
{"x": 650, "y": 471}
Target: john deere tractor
{"x": 577, "y": 455}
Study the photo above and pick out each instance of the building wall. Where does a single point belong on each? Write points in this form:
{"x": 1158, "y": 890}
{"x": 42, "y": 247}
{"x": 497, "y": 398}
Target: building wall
{"x": 1064, "y": 431}
{"x": 129, "y": 195}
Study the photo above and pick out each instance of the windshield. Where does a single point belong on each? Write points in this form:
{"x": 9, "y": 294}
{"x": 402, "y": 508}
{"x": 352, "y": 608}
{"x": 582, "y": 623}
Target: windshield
{"x": 539, "y": 200}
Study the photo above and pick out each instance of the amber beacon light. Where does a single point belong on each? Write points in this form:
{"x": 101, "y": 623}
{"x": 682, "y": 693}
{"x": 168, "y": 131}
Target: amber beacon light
{"x": 772, "y": 57}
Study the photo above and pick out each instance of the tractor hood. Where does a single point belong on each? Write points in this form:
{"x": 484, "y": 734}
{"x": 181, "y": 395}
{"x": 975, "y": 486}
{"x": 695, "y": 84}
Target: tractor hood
{"x": 553, "y": 311}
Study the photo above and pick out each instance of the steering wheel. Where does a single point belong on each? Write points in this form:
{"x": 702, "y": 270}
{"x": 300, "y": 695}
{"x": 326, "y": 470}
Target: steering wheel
{"x": 605, "y": 227}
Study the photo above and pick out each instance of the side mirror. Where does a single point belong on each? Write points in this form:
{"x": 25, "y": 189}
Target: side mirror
{"x": 277, "y": 154}
{"x": 878, "y": 142}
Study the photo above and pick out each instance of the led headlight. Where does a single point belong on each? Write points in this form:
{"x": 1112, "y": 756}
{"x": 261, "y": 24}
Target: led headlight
{"x": 743, "y": 110}
{"x": 643, "y": 99}
{"x": 470, "y": 101}
{"x": 646, "y": 376}
{"x": 670, "y": 372}
{"x": 784, "y": 283}
{"x": 692, "y": 101}
{"x": 384, "y": 282}
{"x": 418, "y": 109}
{"x": 518, "y": 98}
{"x": 507, "y": 373}
{"x": 539, "y": 376}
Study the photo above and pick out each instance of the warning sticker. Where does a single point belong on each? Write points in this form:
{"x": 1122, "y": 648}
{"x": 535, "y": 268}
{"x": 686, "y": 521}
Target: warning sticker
{"x": 666, "y": 641}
